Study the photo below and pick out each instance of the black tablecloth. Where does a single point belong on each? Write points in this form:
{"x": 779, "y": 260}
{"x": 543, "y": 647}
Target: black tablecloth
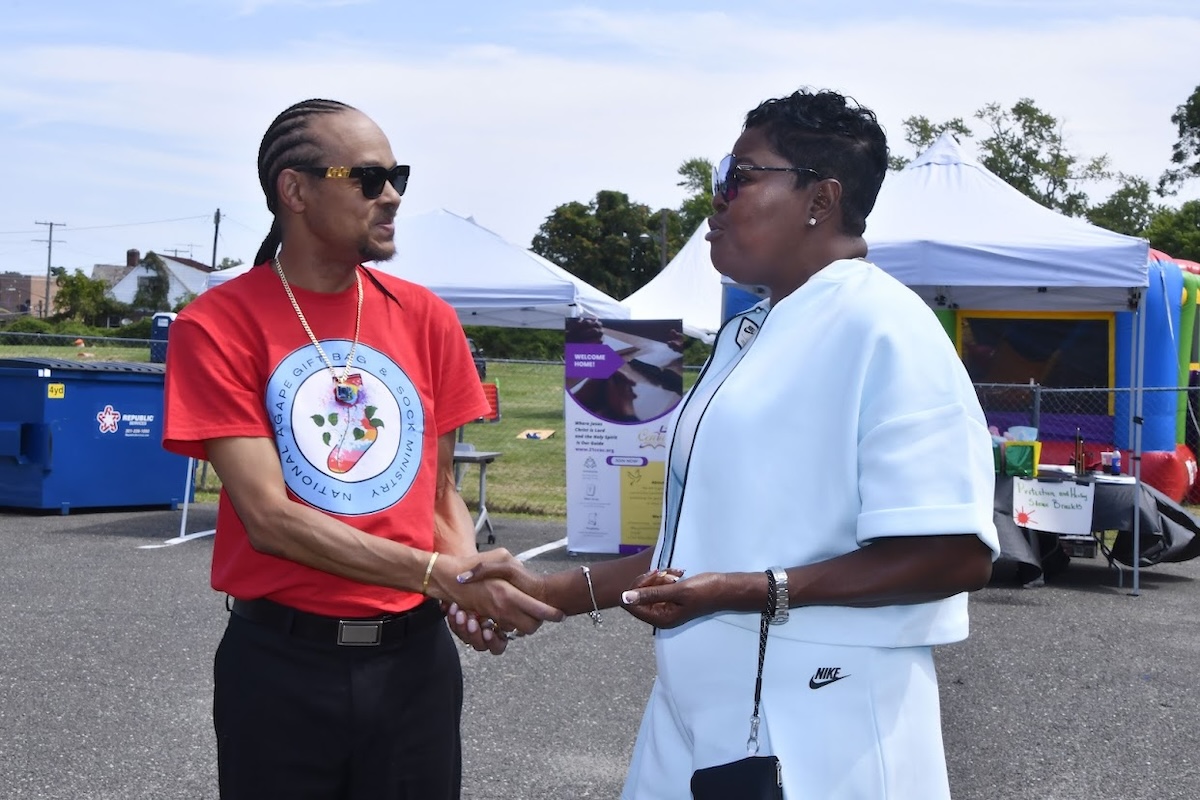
{"x": 1167, "y": 531}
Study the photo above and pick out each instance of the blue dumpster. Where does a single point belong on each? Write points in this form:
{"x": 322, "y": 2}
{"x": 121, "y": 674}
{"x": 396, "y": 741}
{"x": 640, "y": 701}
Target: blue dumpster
{"x": 84, "y": 435}
{"x": 160, "y": 329}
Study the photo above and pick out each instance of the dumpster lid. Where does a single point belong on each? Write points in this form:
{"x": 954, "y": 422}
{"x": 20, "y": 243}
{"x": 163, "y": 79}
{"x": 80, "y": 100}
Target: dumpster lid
{"x": 63, "y": 365}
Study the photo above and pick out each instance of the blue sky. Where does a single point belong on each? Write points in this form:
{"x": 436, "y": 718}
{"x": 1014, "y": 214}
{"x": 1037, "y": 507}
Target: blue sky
{"x": 119, "y": 114}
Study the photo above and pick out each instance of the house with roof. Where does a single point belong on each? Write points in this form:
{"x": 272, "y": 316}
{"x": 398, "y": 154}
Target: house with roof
{"x": 185, "y": 277}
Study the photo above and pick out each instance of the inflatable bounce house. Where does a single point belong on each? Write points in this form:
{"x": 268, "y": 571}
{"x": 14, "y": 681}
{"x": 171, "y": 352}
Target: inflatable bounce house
{"x": 1092, "y": 352}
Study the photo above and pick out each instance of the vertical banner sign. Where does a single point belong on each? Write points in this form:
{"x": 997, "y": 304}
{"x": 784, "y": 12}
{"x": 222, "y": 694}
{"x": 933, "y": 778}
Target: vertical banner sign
{"x": 624, "y": 380}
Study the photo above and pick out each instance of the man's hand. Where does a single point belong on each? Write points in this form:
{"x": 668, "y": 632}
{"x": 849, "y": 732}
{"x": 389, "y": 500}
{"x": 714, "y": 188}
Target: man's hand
{"x": 483, "y": 633}
{"x": 510, "y": 607}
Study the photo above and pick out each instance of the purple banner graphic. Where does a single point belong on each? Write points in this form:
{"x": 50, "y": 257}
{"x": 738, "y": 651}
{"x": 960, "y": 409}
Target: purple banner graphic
{"x": 591, "y": 361}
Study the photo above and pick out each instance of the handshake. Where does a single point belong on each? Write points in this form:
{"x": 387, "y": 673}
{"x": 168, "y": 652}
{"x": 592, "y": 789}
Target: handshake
{"x": 497, "y": 599}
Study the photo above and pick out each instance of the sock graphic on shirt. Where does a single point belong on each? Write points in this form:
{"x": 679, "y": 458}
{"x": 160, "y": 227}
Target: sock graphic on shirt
{"x": 355, "y": 428}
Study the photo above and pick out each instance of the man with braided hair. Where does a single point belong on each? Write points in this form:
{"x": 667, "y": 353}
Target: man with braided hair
{"x": 326, "y": 396}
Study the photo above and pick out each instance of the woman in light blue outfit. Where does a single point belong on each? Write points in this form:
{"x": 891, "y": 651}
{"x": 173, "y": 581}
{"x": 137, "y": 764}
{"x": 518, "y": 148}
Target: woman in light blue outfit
{"x": 831, "y": 464}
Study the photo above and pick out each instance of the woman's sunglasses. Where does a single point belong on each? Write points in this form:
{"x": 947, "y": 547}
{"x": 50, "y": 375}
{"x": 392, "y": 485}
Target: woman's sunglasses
{"x": 725, "y": 179}
{"x": 370, "y": 179}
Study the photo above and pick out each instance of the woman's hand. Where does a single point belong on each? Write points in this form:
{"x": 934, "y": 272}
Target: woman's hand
{"x": 502, "y": 565}
{"x": 664, "y": 600}
{"x": 467, "y": 626}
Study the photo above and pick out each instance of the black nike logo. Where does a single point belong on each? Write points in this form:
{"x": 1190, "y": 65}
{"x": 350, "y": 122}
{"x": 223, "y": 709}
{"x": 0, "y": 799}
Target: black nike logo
{"x": 825, "y": 676}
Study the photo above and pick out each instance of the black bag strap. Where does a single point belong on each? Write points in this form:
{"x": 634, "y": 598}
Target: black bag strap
{"x": 752, "y": 742}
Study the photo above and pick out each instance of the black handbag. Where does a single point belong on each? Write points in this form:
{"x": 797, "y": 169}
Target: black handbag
{"x": 754, "y": 777}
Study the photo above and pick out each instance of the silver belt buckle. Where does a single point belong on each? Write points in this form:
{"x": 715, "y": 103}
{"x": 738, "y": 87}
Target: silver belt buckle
{"x": 359, "y": 633}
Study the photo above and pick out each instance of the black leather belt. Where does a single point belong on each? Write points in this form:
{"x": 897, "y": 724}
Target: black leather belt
{"x": 386, "y": 629}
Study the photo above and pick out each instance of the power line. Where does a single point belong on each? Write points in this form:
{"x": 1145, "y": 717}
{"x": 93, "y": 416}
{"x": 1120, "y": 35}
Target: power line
{"x": 228, "y": 218}
{"x": 134, "y": 224}
{"x": 116, "y": 225}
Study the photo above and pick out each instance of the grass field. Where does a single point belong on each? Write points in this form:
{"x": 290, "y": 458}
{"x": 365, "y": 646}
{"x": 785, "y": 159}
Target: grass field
{"x": 101, "y": 353}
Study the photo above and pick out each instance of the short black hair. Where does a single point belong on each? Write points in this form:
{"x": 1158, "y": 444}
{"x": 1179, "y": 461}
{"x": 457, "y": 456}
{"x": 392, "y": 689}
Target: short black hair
{"x": 833, "y": 135}
{"x": 287, "y": 144}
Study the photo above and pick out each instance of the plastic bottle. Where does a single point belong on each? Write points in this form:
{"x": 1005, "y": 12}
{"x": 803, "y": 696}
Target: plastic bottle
{"x": 1116, "y": 462}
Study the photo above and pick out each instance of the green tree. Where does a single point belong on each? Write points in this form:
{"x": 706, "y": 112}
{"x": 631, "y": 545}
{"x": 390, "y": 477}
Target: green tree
{"x": 609, "y": 242}
{"x": 183, "y": 300}
{"x": 921, "y": 133}
{"x": 1185, "y": 154}
{"x": 696, "y": 208}
{"x": 153, "y": 288}
{"x": 83, "y": 299}
{"x": 1027, "y": 151}
{"x": 228, "y": 262}
{"x": 1176, "y": 231}
{"x": 1127, "y": 210}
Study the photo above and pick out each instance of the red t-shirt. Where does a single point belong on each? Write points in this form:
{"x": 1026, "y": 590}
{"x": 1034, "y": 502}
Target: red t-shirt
{"x": 240, "y": 364}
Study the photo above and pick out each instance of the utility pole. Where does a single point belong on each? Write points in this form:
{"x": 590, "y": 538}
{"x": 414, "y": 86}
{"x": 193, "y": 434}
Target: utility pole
{"x": 49, "y": 240}
{"x": 216, "y": 230}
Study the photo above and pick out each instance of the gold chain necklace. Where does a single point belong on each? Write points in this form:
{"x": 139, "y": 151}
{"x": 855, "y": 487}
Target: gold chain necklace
{"x": 343, "y": 391}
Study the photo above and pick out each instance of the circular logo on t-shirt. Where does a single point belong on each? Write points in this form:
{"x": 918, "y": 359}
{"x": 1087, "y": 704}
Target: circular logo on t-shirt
{"x": 350, "y": 448}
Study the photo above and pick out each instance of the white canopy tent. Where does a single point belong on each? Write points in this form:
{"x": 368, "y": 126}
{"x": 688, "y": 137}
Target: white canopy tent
{"x": 960, "y": 236}
{"x": 688, "y": 288}
{"x": 488, "y": 281}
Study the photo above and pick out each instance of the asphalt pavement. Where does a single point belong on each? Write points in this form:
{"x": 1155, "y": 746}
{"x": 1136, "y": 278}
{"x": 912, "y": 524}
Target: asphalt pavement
{"x": 1069, "y": 691}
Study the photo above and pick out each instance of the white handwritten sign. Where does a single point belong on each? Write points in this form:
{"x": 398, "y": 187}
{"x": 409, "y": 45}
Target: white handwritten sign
{"x": 1054, "y": 506}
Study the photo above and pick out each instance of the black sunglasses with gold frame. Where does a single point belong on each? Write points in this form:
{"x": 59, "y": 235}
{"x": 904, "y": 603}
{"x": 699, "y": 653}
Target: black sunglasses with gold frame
{"x": 370, "y": 179}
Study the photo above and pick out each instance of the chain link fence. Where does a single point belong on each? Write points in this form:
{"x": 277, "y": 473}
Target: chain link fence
{"x": 1096, "y": 414}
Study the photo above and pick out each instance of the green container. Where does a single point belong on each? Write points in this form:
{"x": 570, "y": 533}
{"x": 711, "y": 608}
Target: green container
{"x": 1021, "y": 458}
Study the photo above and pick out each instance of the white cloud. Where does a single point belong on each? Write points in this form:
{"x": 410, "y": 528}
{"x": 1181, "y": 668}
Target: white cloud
{"x": 506, "y": 134}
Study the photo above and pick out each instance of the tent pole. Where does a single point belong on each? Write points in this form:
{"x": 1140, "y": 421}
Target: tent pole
{"x": 187, "y": 495}
{"x": 1138, "y": 410}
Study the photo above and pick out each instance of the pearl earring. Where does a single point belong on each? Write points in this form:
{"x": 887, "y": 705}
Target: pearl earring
{"x": 812, "y": 222}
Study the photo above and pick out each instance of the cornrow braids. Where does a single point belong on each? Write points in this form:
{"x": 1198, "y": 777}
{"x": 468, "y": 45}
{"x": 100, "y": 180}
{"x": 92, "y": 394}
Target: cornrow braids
{"x": 286, "y": 144}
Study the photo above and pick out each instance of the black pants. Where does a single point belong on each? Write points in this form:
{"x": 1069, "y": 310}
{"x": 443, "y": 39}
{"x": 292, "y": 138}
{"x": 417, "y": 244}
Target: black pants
{"x": 298, "y": 720}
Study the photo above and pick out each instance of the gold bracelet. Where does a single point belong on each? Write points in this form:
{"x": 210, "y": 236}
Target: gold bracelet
{"x": 428, "y": 572}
